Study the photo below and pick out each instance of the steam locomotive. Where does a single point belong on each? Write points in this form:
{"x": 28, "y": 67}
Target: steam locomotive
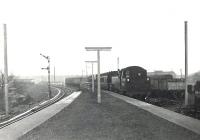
{"x": 131, "y": 81}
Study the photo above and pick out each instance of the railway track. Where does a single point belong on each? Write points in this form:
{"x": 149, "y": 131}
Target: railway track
{"x": 35, "y": 109}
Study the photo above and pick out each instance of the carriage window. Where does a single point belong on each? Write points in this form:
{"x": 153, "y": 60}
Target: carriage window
{"x": 101, "y": 79}
{"x": 127, "y": 74}
{"x": 123, "y": 74}
{"x": 139, "y": 74}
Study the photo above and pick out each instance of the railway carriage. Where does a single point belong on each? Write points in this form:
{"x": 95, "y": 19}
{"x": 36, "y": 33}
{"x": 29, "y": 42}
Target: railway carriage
{"x": 114, "y": 81}
{"x": 72, "y": 81}
{"x": 165, "y": 88}
{"x": 131, "y": 81}
{"x": 104, "y": 80}
{"x": 166, "y": 84}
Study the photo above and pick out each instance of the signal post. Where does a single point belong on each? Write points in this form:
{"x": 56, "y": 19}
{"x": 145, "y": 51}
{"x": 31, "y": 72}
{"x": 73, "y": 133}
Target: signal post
{"x": 48, "y": 69}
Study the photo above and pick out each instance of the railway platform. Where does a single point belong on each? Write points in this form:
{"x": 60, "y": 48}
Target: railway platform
{"x": 116, "y": 118}
{"x": 113, "y": 119}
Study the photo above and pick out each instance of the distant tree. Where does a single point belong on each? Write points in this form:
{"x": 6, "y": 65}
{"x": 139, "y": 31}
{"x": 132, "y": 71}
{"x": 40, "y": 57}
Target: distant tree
{"x": 11, "y": 77}
{"x": 1, "y": 91}
{"x": 1, "y": 79}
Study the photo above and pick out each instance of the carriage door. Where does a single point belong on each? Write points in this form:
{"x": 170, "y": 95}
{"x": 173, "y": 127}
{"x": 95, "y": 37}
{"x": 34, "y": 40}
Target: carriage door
{"x": 123, "y": 79}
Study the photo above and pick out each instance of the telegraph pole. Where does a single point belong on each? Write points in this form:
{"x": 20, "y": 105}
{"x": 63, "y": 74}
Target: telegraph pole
{"x": 181, "y": 73}
{"x": 6, "y": 72}
{"x": 117, "y": 63}
{"x": 48, "y": 69}
{"x": 186, "y": 65}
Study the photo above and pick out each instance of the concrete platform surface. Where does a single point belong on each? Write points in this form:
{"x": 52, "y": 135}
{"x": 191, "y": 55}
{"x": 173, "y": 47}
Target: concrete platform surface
{"x": 179, "y": 119}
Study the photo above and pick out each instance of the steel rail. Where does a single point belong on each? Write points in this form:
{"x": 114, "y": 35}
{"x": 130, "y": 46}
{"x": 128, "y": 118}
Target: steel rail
{"x": 35, "y": 109}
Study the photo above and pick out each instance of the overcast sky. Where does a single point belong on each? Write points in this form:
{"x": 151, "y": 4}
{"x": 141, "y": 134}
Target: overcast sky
{"x": 147, "y": 33}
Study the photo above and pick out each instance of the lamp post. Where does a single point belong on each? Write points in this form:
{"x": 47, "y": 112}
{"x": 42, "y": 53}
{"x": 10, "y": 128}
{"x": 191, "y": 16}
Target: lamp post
{"x": 92, "y": 62}
{"x": 98, "y": 49}
{"x": 48, "y": 68}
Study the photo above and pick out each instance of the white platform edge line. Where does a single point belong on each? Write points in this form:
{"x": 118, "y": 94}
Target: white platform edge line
{"x": 5, "y": 133}
{"x": 179, "y": 119}
{"x": 30, "y": 108}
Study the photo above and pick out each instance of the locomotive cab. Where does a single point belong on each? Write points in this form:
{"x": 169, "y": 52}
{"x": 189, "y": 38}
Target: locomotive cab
{"x": 134, "y": 81}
